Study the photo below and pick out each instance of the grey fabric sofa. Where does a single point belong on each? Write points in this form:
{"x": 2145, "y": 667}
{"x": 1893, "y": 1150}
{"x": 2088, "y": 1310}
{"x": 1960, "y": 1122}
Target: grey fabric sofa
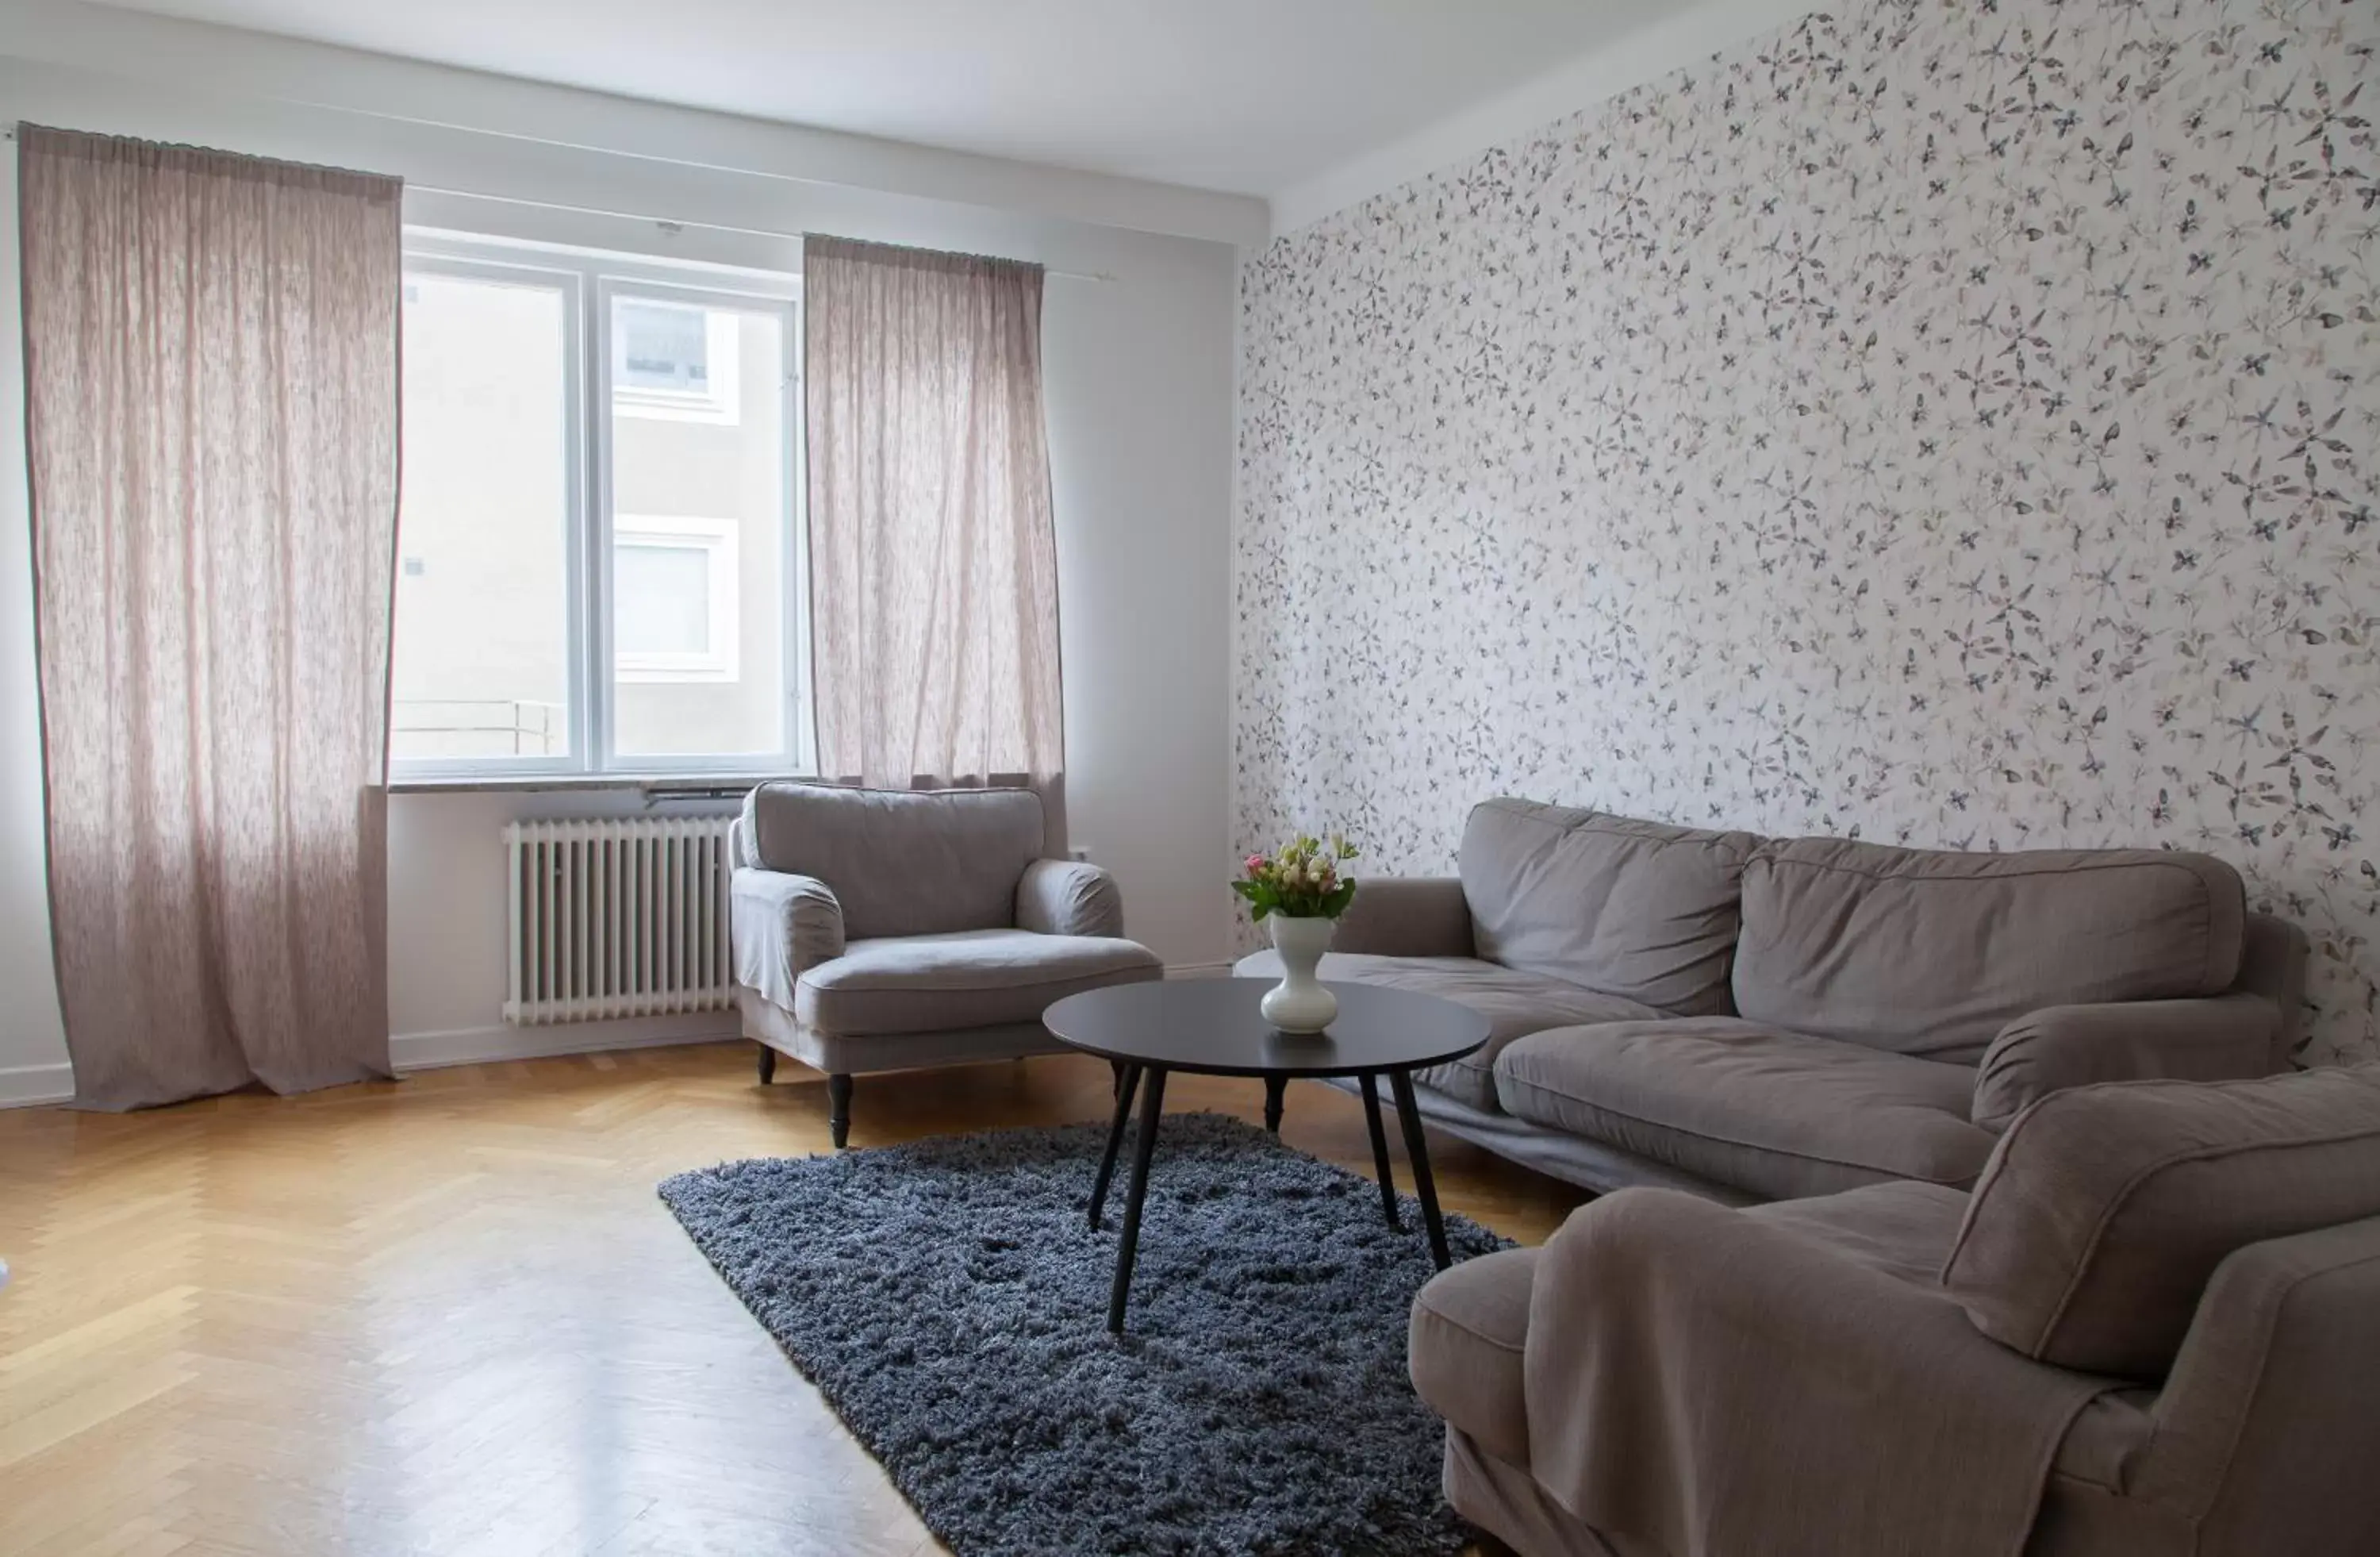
{"x": 888, "y": 930}
{"x": 1756, "y": 1019}
{"x": 2151, "y": 1331}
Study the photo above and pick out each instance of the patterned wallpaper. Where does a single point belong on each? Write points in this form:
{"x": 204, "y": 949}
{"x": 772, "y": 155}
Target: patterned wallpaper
{"x": 1945, "y": 422}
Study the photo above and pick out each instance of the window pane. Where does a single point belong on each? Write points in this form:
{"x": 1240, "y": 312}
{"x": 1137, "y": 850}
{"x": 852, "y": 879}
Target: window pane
{"x": 481, "y": 658}
{"x": 699, "y": 529}
{"x": 664, "y": 594}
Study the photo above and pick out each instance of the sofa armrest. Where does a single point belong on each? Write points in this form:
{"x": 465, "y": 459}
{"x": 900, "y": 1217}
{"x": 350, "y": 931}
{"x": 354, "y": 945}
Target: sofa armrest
{"x": 1675, "y": 1345}
{"x": 781, "y": 924}
{"x": 1405, "y": 916}
{"x": 2224, "y": 1038}
{"x": 1069, "y": 897}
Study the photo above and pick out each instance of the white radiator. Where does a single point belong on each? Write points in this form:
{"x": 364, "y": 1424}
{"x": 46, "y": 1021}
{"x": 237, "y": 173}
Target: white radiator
{"x": 625, "y": 917}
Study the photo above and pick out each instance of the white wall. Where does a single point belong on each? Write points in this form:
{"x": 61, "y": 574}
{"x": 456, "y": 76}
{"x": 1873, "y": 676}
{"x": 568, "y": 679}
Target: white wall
{"x": 32, "y": 1040}
{"x": 1139, "y": 397}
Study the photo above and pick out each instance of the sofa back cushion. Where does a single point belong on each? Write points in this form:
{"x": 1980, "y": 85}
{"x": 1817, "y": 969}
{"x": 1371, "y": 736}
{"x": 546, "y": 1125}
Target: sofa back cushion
{"x": 1932, "y": 954}
{"x": 901, "y": 862}
{"x": 2102, "y": 1213}
{"x": 1631, "y": 909}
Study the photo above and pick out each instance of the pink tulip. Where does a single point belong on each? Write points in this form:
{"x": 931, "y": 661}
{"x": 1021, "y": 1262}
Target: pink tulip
{"x": 1256, "y": 863}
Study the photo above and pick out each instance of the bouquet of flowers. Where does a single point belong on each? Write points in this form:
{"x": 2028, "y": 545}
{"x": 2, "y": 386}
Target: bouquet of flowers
{"x": 1300, "y": 880}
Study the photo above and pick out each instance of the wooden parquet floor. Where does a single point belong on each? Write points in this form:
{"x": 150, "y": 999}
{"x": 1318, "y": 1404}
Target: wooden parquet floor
{"x": 448, "y": 1315}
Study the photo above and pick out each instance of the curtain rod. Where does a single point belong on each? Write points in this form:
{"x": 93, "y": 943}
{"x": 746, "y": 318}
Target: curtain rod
{"x": 668, "y": 224}
{"x": 676, "y": 224}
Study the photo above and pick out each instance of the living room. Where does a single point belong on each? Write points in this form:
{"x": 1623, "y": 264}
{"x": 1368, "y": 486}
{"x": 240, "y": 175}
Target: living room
{"x": 1186, "y": 778}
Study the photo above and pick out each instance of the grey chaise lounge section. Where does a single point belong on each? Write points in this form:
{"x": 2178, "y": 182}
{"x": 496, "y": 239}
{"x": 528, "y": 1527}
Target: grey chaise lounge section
{"x": 889, "y": 929}
{"x": 1756, "y": 1019}
{"x": 2150, "y": 1330}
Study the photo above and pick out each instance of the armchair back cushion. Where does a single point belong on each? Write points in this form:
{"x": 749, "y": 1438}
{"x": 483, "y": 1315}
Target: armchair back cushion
{"x": 1638, "y": 910}
{"x": 2104, "y": 1210}
{"x": 1933, "y": 953}
{"x": 901, "y": 862}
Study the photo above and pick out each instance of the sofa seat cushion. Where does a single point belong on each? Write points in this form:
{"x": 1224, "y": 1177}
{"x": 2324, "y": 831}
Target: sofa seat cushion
{"x": 1464, "y": 1349}
{"x": 1514, "y": 1002}
{"x": 1778, "y": 1114}
{"x": 968, "y": 979}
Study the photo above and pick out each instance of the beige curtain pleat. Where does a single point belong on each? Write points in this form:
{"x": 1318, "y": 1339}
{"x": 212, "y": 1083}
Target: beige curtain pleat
{"x": 210, "y": 359}
{"x": 934, "y": 554}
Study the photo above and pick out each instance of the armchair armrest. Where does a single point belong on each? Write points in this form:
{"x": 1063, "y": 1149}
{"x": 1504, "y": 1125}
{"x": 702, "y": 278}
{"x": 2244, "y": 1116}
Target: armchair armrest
{"x": 1405, "y": 916}
{"x": 779, "y": 925}
{"x": 1675, "y": 1345}
{"x": 2223, "y": 1037}
{"x": 2270, "y": 1400}
{"x": 1069, "y": 897}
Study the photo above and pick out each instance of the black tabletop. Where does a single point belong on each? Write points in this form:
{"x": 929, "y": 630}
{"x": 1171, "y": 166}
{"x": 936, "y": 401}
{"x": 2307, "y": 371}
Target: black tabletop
{"x": 1212, "y": 1025}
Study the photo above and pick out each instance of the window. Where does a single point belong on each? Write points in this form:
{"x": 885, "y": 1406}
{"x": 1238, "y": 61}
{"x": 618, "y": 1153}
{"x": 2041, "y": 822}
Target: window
{"x": 599, "y": 560}
{"x": 674, "y": 362}
{"x": 674, "y": 582}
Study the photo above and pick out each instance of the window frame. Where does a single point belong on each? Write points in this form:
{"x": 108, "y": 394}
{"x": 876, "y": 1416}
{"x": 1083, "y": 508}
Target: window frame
{"x": 590, "y": 280}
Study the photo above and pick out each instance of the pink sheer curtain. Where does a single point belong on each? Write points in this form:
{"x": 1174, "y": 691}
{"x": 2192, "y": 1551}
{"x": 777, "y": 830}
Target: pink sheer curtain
{"x": 210, "y": 356}
{"x": 934, "y": 554}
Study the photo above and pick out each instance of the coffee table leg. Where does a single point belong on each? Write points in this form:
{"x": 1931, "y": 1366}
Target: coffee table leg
{"x": 1274, "y": 1087}
{"x": 1381, "y": 1150}
{"x": 1401, "y": 1083}
{"x": 1128, "y": 1078}
{"x": 1152, "y": 1106}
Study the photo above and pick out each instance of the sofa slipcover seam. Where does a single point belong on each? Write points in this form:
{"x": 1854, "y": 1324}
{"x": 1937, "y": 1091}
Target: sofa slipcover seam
{"x": 2157, "y": 863}
{"x": 1514, "y": 808}
{"x": 1443, "y": 1317}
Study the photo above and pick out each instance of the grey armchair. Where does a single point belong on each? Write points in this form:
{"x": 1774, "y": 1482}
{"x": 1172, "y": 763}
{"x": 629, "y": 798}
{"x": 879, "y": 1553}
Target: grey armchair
{"x": 889, "y": 929}
{"x": 2151, "y": 1331}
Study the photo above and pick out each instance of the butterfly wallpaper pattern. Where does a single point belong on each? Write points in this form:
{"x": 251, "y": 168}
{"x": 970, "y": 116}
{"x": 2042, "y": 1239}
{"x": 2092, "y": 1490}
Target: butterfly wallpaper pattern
{"x": 1954, "y": 424}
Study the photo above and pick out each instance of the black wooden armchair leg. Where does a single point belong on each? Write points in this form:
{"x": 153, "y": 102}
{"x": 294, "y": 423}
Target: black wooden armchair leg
{"x": 767, "y": 1061}
{"x": 838, "y": 1108}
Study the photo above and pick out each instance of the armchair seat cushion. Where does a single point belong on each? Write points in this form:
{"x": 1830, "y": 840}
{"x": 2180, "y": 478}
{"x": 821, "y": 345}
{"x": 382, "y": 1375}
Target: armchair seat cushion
{"x": 967, "y": 979}
{"x": 1779, "y": 1114}
{"x": 1514, "y": 1002}
{"x": 1464, "y": 1349}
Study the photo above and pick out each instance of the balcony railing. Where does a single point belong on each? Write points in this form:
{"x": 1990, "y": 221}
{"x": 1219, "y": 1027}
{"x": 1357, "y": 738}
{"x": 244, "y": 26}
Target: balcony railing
{"x": 479, "y": 727}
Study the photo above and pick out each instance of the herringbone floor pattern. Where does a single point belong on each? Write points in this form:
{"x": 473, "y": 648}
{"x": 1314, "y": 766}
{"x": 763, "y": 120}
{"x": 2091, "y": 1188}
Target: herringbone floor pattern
{"x": 447, "y": 1315}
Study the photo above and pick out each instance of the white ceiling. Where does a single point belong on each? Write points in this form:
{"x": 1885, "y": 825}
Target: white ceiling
{"x": 1250, "y": 96}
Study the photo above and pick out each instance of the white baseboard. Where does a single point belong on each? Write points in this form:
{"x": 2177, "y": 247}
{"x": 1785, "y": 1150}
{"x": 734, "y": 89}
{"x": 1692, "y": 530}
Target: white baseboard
{"x": 25, "y": 1086}
{"x": 28, "y": 1086}
{"x": 476, "y": 1046}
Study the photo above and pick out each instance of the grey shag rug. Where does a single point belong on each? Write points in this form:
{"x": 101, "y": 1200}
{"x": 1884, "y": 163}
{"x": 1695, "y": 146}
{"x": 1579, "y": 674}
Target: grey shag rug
{"x": 950, "y": 1301}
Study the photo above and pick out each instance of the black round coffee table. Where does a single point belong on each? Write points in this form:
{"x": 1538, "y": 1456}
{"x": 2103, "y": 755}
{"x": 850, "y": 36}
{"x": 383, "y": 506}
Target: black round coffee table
{"x": 1211, "y": 1026}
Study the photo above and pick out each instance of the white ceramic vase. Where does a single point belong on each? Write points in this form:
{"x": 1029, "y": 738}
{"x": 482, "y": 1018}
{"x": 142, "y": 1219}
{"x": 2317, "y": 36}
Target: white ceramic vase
{"x": 1299, "y": 1003}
